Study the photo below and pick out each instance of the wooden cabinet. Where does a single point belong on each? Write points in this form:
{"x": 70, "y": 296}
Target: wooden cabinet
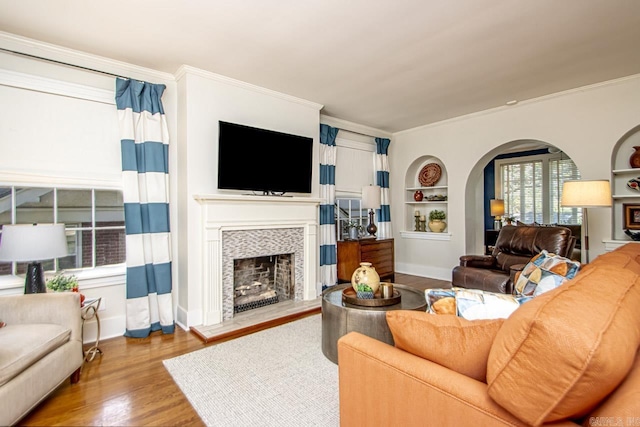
{"x": 380, "y": 253}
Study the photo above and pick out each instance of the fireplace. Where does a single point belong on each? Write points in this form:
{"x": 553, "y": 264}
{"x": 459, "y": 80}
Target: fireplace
{"x": 243, "y": 226}
{"x": 262, "y": 281}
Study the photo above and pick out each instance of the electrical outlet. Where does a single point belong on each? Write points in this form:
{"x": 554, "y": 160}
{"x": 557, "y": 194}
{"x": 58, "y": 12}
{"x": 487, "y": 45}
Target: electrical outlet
{"x": 103, "y": 306}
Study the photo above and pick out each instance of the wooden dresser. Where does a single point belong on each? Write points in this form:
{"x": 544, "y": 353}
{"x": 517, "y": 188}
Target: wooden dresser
{"x": 380, "y": 253}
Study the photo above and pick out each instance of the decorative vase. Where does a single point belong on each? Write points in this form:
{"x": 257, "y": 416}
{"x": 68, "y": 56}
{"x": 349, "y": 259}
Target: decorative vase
{"x": 634, "y": 160}
{"x": 437, "y": 226}
{"x": 365, "y": 275}
{"x": 418, "y": 196}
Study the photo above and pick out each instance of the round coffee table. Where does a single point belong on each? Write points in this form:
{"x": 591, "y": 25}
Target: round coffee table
{"x": 339, "y": 318}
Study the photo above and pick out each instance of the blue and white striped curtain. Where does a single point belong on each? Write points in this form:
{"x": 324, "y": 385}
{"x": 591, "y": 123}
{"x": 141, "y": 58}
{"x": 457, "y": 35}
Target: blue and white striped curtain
{"x": 145, "y": 172}
{"x": 382, "y": 179}
{"x": 328, "y": 269}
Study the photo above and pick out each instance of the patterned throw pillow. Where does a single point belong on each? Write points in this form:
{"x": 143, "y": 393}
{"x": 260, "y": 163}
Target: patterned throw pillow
{"x": 544, "y": 272}
{"x": 472, "y": 304}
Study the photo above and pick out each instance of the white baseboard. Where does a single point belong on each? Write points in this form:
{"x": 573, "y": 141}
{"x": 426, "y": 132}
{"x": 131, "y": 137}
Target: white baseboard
{"x": 424, "y": 271}
{"x": 109, "y": 328}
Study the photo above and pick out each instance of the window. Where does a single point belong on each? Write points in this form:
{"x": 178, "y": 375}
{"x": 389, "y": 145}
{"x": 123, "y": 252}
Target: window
{"x": 93, "y": 218}
{"x": 352, "y": 149}
{"x": 532, "y": 187}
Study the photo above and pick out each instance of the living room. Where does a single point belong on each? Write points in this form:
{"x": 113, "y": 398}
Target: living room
{"x": 589, "y": 120}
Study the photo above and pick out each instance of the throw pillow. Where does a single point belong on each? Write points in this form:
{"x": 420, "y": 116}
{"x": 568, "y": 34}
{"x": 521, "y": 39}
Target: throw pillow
{"x": 472, "y": 304}
{"x": 566, "y": 350}
{"x": 441, "y": 301}
{"x": 544, "y": 272}
{"x": 458, "y": 344}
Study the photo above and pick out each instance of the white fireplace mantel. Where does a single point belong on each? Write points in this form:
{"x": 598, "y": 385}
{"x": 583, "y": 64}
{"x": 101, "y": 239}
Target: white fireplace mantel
{"x": 223, "y": 212}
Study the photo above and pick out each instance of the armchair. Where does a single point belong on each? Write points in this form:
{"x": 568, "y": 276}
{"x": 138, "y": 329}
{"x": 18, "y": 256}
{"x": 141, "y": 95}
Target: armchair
{"x": 515, "y": 246}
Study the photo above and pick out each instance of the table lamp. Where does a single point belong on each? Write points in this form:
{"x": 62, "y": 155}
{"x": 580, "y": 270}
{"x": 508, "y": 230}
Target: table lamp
{"x": 33, "y": 243}
{"x": 497, "y": 210}
{"x": 586, "y": 194}
{"x": 371, "y": 201}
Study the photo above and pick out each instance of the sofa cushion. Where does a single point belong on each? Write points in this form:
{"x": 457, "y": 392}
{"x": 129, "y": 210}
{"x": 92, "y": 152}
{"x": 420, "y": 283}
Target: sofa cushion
{"x": 458, "y": 344}
{"x": 544, "y": 272}
{"x": 23, "y": 344}
{"x": 576, "y": 339}
{"x": 472, "y": 304}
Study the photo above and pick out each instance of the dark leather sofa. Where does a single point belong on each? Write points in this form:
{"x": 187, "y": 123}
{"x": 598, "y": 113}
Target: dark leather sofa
{"x": 515, "y": 246}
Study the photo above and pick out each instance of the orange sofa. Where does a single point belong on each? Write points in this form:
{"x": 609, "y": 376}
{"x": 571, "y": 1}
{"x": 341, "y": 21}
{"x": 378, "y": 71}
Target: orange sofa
{"x": 568, "y": 357}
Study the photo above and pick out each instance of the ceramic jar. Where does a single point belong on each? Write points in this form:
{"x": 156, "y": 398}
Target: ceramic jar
{"x": 365, "y": 275}
{"x": 634, "y": 160}
{"x": 418, "y": 196}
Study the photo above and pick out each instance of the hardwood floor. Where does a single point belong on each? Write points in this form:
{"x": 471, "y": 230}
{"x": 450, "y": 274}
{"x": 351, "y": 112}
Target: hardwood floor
{"x": 128, "y": 384}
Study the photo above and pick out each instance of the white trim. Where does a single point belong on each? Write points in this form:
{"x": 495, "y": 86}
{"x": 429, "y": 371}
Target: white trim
{"x": 425, "y": 235}
{"x": 354, "y": 127}
{"x": 17, "y": 179}
{"x": 74, "y": 57}
{"x": 186, "y": 69}
{"x": 56, "y": 87}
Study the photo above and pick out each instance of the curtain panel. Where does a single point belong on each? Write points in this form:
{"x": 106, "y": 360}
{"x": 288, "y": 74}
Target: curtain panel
{"x": 145, "y": 171}
{"x": 328, "y": 254}
{"x": 382, "y": 179}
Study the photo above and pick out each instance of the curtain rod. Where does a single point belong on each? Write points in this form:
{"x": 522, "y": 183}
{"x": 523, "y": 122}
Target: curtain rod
{"x": 65, "y": 63}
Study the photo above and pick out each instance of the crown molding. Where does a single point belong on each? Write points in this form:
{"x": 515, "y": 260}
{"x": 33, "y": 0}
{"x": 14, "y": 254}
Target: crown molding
{"x": 187, "y": 69}
{"x": 72, "y": 57}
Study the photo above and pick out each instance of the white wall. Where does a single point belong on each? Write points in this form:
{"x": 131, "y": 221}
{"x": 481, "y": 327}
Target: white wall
{"x": 206, "y": 98}
{"x": 585, "y": 123}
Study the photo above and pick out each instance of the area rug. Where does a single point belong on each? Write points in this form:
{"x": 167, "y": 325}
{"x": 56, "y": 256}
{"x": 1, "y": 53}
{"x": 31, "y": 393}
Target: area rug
{"x": 275, "y": 377}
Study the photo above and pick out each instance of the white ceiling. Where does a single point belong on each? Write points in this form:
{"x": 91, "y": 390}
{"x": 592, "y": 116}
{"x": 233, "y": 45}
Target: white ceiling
{"x": 392, "y": 65}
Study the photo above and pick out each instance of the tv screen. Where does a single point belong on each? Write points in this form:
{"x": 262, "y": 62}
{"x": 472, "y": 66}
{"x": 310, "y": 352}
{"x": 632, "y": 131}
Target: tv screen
{"x": 263, "y": 160}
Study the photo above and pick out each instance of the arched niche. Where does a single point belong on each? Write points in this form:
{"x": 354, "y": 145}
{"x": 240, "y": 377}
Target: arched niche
{"x": 435, "y": 196}
{"x": 621, "y": 173}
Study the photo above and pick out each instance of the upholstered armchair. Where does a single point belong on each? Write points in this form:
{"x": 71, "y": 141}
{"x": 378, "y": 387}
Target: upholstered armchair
{"x": 515, "y": 246}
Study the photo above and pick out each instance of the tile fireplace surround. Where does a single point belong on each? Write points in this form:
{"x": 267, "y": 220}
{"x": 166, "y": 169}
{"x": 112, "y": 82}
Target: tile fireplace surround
{"x": 239, "y": 226}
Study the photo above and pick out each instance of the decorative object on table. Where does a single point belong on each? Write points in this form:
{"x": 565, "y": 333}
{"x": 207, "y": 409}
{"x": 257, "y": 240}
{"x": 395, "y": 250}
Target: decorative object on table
{"x": 33, "y": 243}
{"x": 496, "y": 211}
{"x": 386, "y": 290}
{"x": 354, "y": 229}
{"x": 371, "y": 200}
{"x": 508, "y": 220}
{"x": 634, "y": 184}
{"x": 592, "y": 194}
{"x": 366, "y": 274}
{"x": 634, "y": 160}
{"x": 430, "y": 174}
{"x": 350, "y": 296}
{"x": 416, "y": 216}
{"x": 635, "y": 236}
{"x": 364, "y": 291}
{"x": 418, "y": 196}
{"x": 436, "y": 221}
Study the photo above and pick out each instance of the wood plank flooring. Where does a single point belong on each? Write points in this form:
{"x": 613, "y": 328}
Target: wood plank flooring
{"x": 129, "y": 386}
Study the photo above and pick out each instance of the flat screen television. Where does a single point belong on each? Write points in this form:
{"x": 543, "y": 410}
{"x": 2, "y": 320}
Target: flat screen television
{"x": 263, "y": 160}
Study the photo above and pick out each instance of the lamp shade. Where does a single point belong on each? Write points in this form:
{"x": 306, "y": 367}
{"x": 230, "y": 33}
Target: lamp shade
{"x": 371, "y": 197}
{"x": 586, "y": 194}
{"x": 32, "y": 242}
{"x": 497, "y": 207}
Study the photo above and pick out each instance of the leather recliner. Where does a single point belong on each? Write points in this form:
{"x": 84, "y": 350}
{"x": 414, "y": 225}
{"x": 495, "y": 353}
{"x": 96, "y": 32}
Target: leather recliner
{"x": 515, "y": 246}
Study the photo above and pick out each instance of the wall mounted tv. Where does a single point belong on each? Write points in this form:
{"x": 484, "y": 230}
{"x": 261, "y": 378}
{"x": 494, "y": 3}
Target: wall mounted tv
{"x": 263, "y": 160}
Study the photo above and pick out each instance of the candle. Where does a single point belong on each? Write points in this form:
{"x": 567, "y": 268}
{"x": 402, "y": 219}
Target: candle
{"x": 423, "y": 218}
{"x": 417, "y": 213}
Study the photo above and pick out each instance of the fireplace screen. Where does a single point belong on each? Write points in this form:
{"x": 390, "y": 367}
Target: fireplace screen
{"x": 261, "y": 281}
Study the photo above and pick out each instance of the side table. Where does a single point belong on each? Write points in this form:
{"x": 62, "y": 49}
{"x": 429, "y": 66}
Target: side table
{"x": 340, "y": 318}
{"x": 88, "y": 312}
